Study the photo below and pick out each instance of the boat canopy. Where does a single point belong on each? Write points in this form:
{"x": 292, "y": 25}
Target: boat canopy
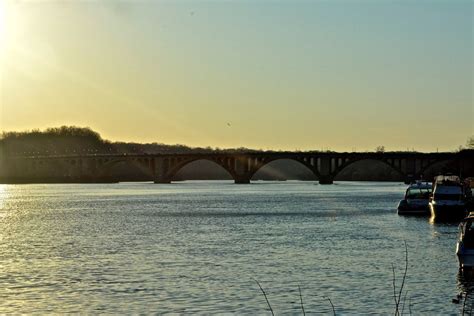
{"x": 421, "y": 185}
{"x": 447, "y": 179}
{"x": 418, "y": 193}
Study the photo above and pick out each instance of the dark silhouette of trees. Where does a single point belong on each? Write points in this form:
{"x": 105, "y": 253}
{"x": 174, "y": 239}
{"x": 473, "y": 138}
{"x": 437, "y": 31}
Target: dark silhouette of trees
{"x": 470, "y": 142}
{"x": 58, "y": 140}
{"x": 73, "y": 140}
{"x": 380, "y": 149}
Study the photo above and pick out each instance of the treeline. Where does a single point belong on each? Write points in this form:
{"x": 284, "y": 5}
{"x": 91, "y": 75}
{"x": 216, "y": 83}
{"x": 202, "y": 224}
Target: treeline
{"x": 71, "y": 140}
{"x": 60, "y": 140}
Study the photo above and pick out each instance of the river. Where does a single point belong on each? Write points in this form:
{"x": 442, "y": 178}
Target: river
{"x": 198, "y": 247}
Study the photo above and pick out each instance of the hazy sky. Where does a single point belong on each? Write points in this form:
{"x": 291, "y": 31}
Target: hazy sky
{"x": 291, "y": 75}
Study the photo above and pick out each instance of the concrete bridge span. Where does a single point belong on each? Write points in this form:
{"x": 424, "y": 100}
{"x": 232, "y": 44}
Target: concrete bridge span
{"x": 241, "y": 166}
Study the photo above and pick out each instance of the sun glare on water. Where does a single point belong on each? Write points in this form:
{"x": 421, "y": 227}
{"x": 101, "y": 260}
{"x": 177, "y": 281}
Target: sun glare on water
{"x": 3, "y": 197}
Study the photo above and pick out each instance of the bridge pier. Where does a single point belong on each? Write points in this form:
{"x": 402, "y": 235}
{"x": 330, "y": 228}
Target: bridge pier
{"x": 326, "y": 180}
{"x": 242, "y": 181}
{"x": 160, "y": 168}
{"x": 162, "y": 181}
{"x": 326, "y": 168}
{"x": 409, "y": 179}
{"x": 241, "y": 169}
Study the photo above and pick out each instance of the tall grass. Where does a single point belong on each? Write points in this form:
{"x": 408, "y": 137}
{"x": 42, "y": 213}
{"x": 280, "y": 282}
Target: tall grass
{"x": 399, "y": 307}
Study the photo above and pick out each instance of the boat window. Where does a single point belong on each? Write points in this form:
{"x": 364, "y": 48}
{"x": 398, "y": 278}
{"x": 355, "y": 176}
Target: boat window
{"x": 426, "y": 192}
{"x": 418, "y": 193}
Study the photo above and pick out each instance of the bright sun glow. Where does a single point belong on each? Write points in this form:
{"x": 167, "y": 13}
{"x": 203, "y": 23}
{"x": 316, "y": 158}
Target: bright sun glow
{"x": 3, "y": 22}
{"x": 3, "y": 27}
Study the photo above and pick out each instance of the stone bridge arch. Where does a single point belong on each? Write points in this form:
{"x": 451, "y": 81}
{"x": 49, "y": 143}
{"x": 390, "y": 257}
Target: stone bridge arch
{"x": 166, "y": 168}
{"x": 180, "y": 165}
{"x": 393, "y": 164}
{"x": 309, "y": 163}
{"x": 443, "y": 166}
{"x": 105, "y": 166}
{"x": 242, "y": 168}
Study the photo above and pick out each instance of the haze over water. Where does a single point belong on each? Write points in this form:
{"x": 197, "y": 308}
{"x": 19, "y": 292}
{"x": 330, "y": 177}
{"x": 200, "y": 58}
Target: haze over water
{"x": 196, "y": 247}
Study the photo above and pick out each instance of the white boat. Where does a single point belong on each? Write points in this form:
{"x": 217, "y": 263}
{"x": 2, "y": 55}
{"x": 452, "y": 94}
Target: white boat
{"x": 448, "y": 202}
{"x": 416, "y": 201}
{"x": 465, "y": 244}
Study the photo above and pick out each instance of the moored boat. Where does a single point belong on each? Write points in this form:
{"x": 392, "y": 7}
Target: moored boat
{"x": 416, "y": 201}
{"x": 448, "y": 202}
{"x": 465, "y": 244}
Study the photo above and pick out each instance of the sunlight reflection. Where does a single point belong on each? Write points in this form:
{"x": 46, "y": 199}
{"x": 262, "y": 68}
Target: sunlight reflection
{"x": 3, "y": 197}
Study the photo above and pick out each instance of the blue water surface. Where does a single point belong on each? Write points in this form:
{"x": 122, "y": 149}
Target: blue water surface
{"x": 198, "y": 247}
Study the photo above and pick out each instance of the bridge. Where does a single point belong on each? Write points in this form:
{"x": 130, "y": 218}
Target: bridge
{"x": 241, "y": 166}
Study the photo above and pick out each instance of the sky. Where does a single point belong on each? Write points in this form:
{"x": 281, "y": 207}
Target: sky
{"x": 293, "y": 75}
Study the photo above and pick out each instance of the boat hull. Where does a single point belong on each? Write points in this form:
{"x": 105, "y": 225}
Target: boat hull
{"x": 465, "y": 256}
{"x": 407, "y": 208}
{"x": 447, "y": 213}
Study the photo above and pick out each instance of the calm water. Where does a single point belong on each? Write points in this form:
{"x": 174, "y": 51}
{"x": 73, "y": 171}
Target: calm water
{"x": 196, "y": 247}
